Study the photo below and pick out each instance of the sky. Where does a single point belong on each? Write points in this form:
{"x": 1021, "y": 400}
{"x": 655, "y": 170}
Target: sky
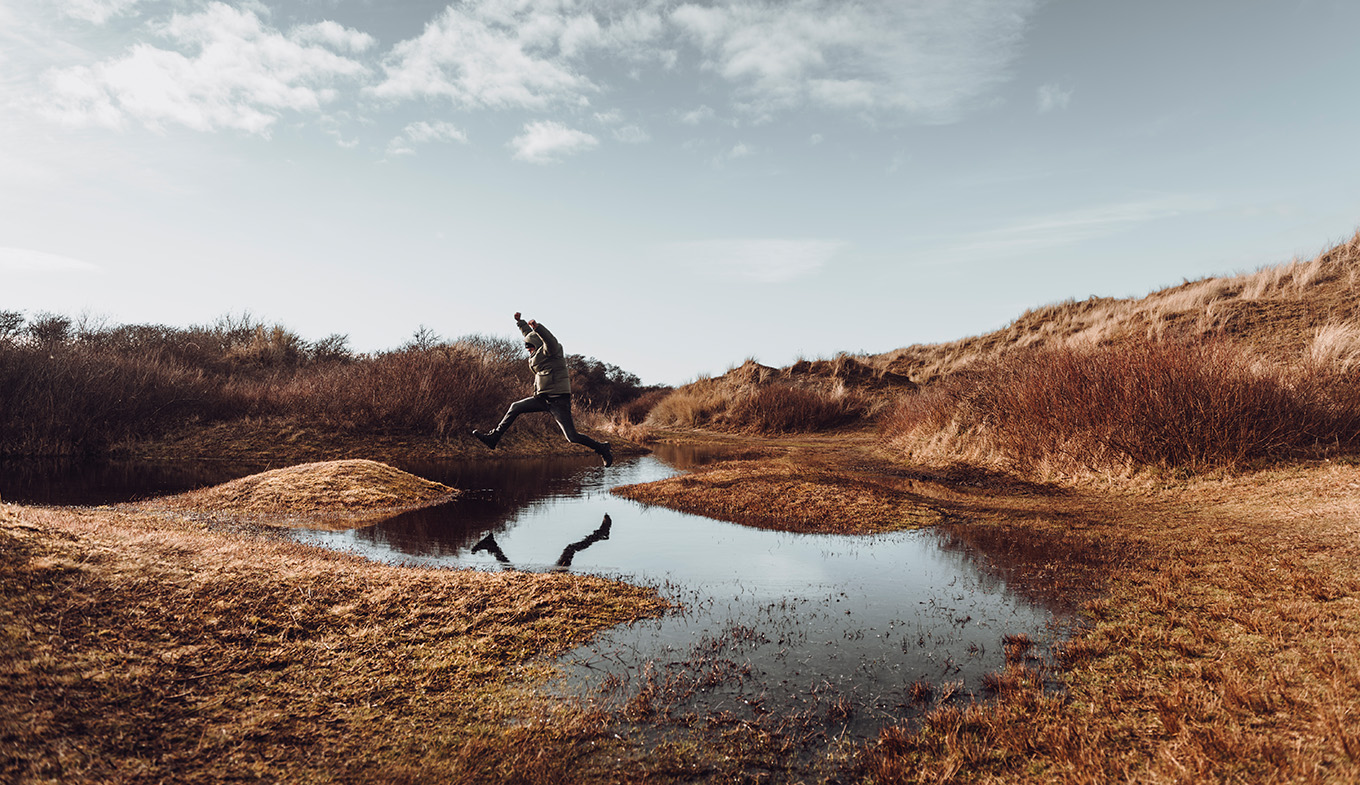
{"x": 671, "y": 187}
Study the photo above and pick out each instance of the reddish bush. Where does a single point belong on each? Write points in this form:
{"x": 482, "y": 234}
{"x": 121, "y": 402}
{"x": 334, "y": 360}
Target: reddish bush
{"x": 1186, "y": 405}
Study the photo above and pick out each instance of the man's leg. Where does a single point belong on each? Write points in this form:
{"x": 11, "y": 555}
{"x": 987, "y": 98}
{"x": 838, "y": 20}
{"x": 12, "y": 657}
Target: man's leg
{"x": 525, "y": 406}
{"x": 560, "y": 406}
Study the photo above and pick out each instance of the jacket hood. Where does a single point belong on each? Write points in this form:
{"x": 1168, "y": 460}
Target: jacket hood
{"x": 534, "y": 340}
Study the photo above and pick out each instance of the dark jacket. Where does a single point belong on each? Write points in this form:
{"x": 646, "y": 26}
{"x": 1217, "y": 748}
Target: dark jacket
{"x": 547, "y": 361}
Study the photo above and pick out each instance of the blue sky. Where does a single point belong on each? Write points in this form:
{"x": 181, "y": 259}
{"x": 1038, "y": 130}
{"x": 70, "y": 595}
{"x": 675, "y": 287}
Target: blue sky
{"x": 671, "y": 186}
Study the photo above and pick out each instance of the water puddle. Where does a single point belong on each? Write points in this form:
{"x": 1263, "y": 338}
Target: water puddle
{"x": 833, "y": 636}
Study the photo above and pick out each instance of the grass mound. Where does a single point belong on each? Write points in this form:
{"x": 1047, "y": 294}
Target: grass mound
{"x": 789, "y": 497}
{"x": 347, "y": 492}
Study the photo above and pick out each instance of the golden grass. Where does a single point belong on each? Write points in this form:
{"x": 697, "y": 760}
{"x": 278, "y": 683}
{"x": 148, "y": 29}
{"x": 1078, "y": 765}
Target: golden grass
{"x": 330, "y": 494}
{"x": 149, "y": 648}
{"x": 806, "y": 397}
{"x": 1226, "y": 648}
{"x": 1223, "y": 634}
{"x": 786, "y": 495}
{"x": 1277, "y": 311}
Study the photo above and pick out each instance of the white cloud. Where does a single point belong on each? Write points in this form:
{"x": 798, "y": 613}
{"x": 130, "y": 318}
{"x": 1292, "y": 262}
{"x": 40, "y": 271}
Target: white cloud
{"x": 545, "y": 142}
{"x": 97, "y": 11}
{"x": 740, "y": 150}
{"x": 757, "y": 260}
{"x": 1052, "y": 96}
{"x": 1051, "y": 231}
{"x": 925, "y": 59}
{"x": 423, "y": 132}
{"x": 237, "y": 74}
{"x": 631, "y": 134}
{"x": 334, "y": 35}
{"x": 25, "y": 260}
{"x": 697, "y": 116}
{"x": 438, "y": 131}
{"x": 515, "y": 55}
{"x": 225, "y": 66}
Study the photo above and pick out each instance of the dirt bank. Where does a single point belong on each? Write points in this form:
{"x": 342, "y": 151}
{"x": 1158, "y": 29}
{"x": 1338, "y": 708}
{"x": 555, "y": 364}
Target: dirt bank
{"x": 287, "y": 440}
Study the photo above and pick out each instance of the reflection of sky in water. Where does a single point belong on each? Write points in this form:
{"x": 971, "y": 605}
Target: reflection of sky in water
{"x": 797, "y": 621}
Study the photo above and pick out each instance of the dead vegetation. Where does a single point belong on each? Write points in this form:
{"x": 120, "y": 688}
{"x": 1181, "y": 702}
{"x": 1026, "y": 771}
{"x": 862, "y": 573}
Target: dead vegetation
{"x": 791, "y": 496}
{"x": 152, "y": 648}
{"x": 806, "y": 397}
{"x": 1279, "y": 312}
{"x": 1224, "y": 646}
{"x": 326, "y": 494}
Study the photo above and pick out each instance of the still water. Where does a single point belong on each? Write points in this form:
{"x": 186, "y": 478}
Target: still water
{"x": 827, "y": 632}
{"x": 815, "y": 634}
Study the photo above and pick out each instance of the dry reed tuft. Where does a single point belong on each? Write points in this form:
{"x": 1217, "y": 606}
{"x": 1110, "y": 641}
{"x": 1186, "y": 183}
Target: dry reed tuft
{"x": 1170, "y": 405}
{"x": 757, "y": 399}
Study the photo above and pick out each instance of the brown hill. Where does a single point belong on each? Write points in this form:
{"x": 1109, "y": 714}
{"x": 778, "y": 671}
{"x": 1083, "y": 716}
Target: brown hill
{"x": 328, "y": 494}
{"x": 1282, "y": 311}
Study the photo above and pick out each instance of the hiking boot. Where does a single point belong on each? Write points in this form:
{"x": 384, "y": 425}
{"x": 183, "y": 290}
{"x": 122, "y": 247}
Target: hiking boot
{"x": 489, "y": 439}
{"x": 607, "y": 453}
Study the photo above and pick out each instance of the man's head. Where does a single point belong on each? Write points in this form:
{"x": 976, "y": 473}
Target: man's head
{"x": 532, "y": 342}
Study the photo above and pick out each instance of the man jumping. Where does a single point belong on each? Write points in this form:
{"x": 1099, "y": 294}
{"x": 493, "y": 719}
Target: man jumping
{"x": 552, "y": 391}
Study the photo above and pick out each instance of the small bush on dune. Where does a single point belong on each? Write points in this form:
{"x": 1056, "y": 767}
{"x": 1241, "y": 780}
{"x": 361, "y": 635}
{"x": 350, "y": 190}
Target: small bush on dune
{"x": 1195, "y": 406}
{"x": 783, "y": 408}
{"x": 759, "y": 407}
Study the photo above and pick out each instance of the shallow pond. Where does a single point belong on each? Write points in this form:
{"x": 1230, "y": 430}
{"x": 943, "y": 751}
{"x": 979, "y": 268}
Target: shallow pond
{"x": 808, "y": 634}
{"x": 827, "y": 632}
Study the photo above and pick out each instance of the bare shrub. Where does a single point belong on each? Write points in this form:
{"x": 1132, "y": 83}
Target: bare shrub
{"x": 1188, "y": 405}
{"x": 784, "y": 408}
{"x": 441, "y": 390}
{"x": 81, "y": 392}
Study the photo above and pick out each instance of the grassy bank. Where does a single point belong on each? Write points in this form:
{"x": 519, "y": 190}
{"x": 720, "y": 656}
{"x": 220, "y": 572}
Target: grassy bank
{"x": 147, "y": 648}
{"x": 1224, "y": 647}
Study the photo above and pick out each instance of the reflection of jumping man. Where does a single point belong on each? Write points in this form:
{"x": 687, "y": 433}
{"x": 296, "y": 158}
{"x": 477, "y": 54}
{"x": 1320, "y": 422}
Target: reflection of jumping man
{"x": 489, "y": 544}
{"x": 552, "y": 391}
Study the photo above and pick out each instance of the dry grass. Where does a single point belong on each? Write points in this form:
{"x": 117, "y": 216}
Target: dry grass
{"x": 790, "y": 496}
{"x": 148, "y": 648}
{"x": 1276, "y": 311}
{"x": 807, "y": 397}
{"x": 88, "y": 391}
{"x": 329, "y": 494}
{"x": 1223, "y": 633}
{"x": 1226, "y": 648}
{"x": 1166, "y": 405}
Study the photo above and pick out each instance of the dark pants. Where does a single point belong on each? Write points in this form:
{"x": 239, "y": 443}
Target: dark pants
{"x": 559, "y": 406}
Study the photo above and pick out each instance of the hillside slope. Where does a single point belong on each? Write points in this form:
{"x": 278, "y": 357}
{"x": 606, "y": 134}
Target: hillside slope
{"x": 1292, "y": 310}
{"x": 1280, "y": 311}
